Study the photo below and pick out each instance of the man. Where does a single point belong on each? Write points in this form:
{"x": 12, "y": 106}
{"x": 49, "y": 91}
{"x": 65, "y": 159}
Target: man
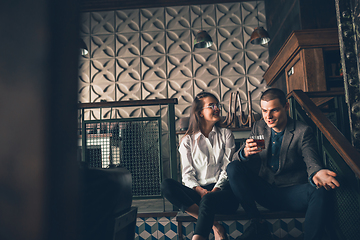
{"x": 290, "y": 177}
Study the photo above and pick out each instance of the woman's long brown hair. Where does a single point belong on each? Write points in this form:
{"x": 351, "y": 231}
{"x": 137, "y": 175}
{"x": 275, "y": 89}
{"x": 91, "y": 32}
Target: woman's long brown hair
{"x": 196, "y": 107}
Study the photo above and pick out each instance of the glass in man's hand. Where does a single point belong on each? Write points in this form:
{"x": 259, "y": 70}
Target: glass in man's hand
{"x": 259, "y": 139}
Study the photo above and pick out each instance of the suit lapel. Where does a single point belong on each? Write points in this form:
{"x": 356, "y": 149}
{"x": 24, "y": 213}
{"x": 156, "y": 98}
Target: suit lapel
{"x": 267, "y": 135}
{"x": 287, "y": 138}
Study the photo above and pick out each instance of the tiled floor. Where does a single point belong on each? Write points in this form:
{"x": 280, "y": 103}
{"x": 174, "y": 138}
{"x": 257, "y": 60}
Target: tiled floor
{"x": 156, "y": 220}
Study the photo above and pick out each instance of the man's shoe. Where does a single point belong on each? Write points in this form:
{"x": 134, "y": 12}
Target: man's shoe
{"x": 256, "y": 231}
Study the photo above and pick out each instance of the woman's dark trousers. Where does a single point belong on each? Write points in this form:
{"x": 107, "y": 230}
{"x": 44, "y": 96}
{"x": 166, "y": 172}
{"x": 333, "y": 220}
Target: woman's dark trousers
{"x": 248, "y": 187}
{"x": 220, "y": 202}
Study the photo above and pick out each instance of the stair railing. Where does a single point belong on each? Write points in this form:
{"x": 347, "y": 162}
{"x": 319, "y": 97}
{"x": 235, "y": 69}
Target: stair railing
{"x": 338, "y": 155}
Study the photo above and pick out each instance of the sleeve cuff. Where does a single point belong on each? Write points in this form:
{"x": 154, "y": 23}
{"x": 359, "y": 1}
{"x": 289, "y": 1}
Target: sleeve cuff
{"x": 241, "y": 155}
{"x": 311, "y": 181}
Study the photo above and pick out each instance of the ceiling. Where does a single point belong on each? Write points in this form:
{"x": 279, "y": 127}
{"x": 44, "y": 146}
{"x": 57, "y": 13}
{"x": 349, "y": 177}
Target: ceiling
{"x": 104, "y": 5}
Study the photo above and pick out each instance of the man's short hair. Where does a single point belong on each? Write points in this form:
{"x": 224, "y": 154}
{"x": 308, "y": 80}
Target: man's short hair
{"x": 273, "y": 93}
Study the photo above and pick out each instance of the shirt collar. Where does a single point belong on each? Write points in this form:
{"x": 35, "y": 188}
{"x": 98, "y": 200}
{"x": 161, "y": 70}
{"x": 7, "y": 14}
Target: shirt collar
{"x": 199, "y": 133}
{"x": 279, "y": 134}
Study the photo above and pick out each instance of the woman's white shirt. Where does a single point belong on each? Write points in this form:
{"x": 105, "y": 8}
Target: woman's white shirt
{"x": 204, "y": 160}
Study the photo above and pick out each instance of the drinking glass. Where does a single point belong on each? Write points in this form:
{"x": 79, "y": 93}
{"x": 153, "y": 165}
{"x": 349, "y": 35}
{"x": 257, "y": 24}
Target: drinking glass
{"x": 259, "y": 139}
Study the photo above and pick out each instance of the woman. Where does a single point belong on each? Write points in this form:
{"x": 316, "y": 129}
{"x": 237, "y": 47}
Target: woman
{"x": 205, "y": 150}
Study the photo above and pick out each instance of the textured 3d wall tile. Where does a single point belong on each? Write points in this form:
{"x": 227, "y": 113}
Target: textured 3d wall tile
{"x": 148, "y": 54}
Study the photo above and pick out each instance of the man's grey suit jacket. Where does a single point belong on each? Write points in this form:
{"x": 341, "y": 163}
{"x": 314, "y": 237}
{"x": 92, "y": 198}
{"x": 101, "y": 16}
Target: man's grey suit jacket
{"x": 298, "y": 154}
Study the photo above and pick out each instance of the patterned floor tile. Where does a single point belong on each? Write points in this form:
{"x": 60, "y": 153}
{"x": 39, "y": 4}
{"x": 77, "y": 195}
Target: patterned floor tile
{"x": 230, "y": 226}
{"x": 151, "y": 227}
{"x": 189, "y": 236}
{"x": 165, "y": 228}
{"x": 274, "y": 225}
{"x": 144, "y": 236}
{"x": 150, "y": 219}
{"x": 275, "y": 237}
{"x": 168, "y": 228}
{"x": 296, "y": 233}
{"x": 188, "y": 229}
{"x": 171, "y": 235}
{"x": 292, "y": 228}
{"x": 234, "y": 234}
{"x": 159, "y": 234}
{"x": 299, "y": 223}
{"x": 140, "y": 226}
{"x": 164, "y": 219}
{"x": 287, "y": 224}
{"x": 242, "y": 225}
{"x": 280, "y": 233}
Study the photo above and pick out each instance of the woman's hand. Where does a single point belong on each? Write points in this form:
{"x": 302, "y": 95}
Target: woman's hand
{"x": 215, "y": 189}
{"x": 201, "y": 191}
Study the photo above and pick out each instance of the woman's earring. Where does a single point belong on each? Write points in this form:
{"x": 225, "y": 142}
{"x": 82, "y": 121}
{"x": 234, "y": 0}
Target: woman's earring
{"x": 201, "y": 115}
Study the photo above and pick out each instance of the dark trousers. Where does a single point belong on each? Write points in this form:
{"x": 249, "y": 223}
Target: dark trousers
{"x": 220, "y": 202}
{"x": 248, "y": 187}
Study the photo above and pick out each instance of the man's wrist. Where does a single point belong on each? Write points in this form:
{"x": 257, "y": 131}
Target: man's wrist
{"x": 241, "y": 154}
{"x": 311, "y": 181}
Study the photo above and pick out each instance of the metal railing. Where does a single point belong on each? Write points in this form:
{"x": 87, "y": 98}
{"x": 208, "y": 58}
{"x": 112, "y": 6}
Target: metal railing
{"x": 337, "y": 154}
{"x": 144, "y": 143}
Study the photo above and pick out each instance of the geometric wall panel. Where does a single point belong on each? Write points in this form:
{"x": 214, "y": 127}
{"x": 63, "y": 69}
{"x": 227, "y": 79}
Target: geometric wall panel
{"x": 148, "y": 53}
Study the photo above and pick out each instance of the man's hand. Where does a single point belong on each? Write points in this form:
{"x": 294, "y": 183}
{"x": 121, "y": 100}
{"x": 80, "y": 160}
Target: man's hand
{"x": 201, "y": 191}
{"x": 325, "y": 178}
{"x": 251, "y": 147}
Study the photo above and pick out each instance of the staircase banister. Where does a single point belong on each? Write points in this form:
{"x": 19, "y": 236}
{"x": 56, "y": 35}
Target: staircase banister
{"x": 350, "y": 155}
{"x": 325, "y": 94}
